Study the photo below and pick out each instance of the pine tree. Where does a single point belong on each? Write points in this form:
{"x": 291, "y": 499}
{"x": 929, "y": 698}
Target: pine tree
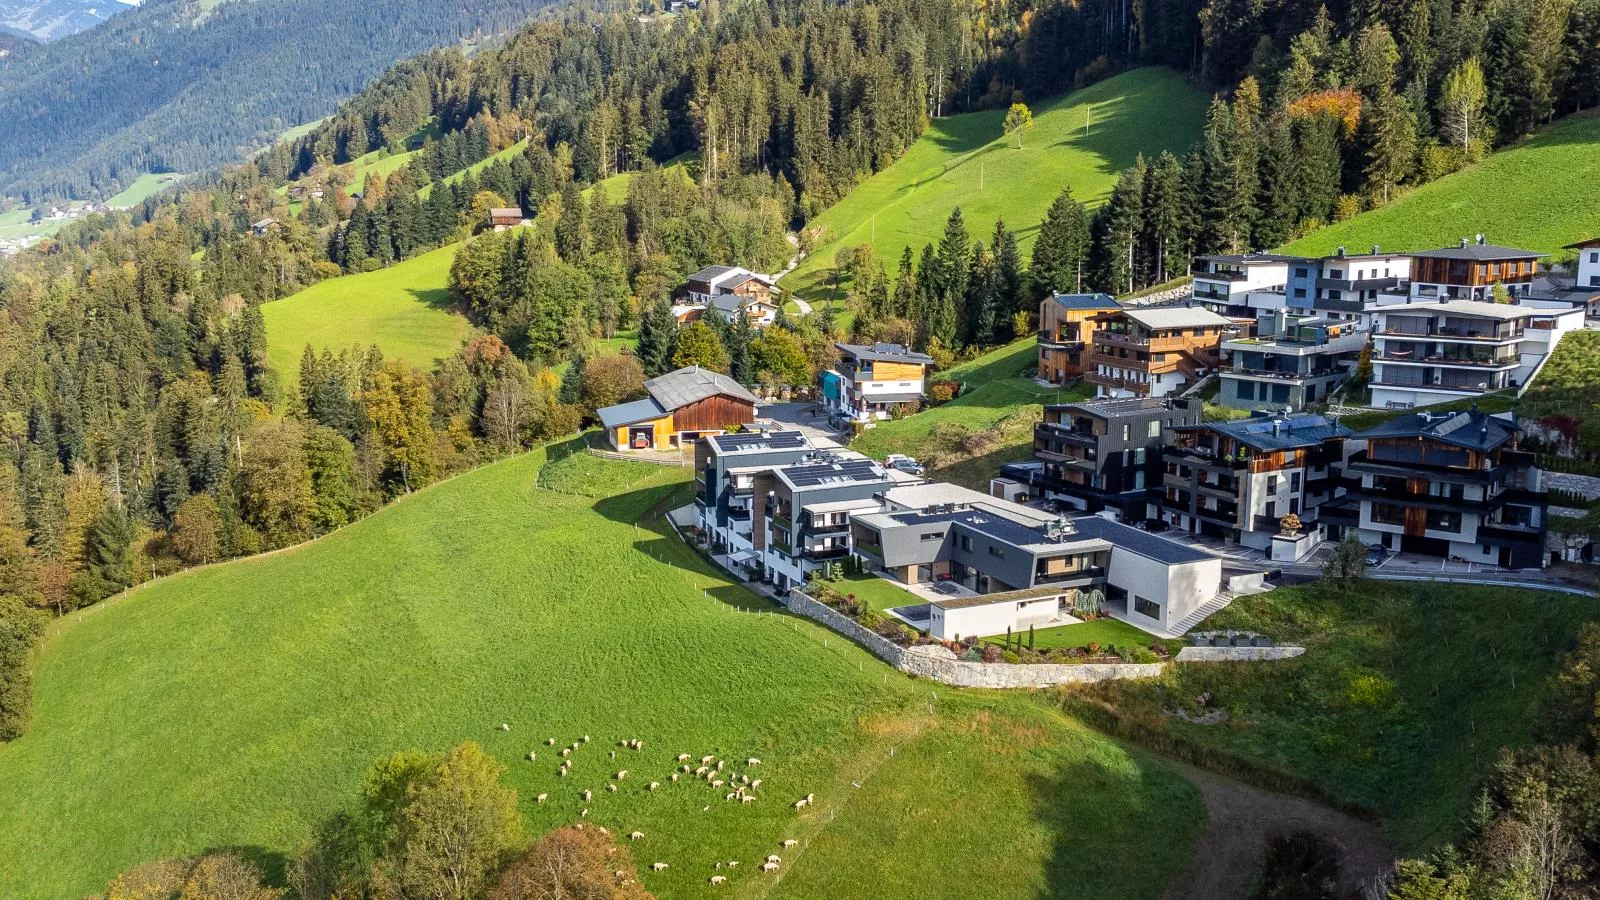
{"x": 1279, "y": 201}
{"x": 105, "y": 552}
{"x": 981, "y": 299}
{"x": 1124, "y": 223}
{"x": 656, "y": 332}
{"x": 1061, "y": 251}
{"x": 1010, "y": 295}
{"x": 1320, "y": 168}
{"x": 904, "y": 302}
{"x": 1391, "y": 141}
{"x": 572, "y": 381}
{"x": 1163, "y": 219}
{"x": 740, "y": 336}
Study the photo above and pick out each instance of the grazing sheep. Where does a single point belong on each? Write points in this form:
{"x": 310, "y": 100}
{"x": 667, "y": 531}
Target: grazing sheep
{"x": 658, "y": 866}
{"x": 718, "y": 879}
{"x": 587, "y": 795}
{"x": 756, "y": 783}
{"x": 612, "y": 788}
{"x": 733, "y": 864}
{"x": 505, "y": 726}
{"x": 551, "y": 742}
{"x": 654, "y": 785}
{"x": 683, "y": 757}
{"x": 748, "y": 798}
{"x": 541, "y": 798}
{"x": 585, "y": 812}
{"x": 769, "y": 867}
{"x": 586, "y": 739}
{"x": 566, "y": 751}
{"x": 604, "y": 830}
{"x": 580, "y": 826}
{"x": 620, "y": 874}
{"x": 811, "y": 798}
{"x": 702, "y": 770}
{"x": 745, "y": 779}
{"x": 674, "y": 776}
{"x": 718, "y": 783}
{"x": 685, "y": 769}
{"x": 752, "y": 761}
{"x": 729, "y": 796}
{"x": 635, "y": 835}
{"x": 562, "y": 771}
{"x": 533, "y": 755}
{"x": 719, "y": 765}
{"x": 613, "y": 754}
{"x": 706, "y": 808}
{"x": 717, "y": 866}
{"x": 622, "y": 774}
{"x": 622, "y": 743}
{"x": 706, "y": 759}
{"x": 800, "y": 804}
{"x": 773, "y": 857}
{"x": 787, "y": 843}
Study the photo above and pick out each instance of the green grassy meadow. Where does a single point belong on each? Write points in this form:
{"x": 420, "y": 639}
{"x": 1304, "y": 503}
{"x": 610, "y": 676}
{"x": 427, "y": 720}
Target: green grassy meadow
{"x": 967, "y": 161}
{"x": 967, "y": 440}
{"x": 143, "y": 187}
{"x": 234, "y": 705}
{"x": 1545, "y": 191}
{"x": 404, "y": 309}
{"x": 1400, "y": 705}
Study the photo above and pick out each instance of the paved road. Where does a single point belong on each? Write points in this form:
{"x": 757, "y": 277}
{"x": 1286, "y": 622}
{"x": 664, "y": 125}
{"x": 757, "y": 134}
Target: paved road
{"x": 808, "y": 418}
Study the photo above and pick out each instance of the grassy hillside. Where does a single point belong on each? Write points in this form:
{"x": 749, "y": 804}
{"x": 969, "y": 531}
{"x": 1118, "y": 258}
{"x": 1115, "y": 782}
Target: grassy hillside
{"x": 1400, "y": 705}
{"x": 234, "y": 705}
{"x": 968, "y": 161}
{"x": 143, "y": 187}
{"x": 991, "y": 423}
{"x": 404, "y": 309}
{"x": 1538, "y": 195}
{"x": 505, "y": 155}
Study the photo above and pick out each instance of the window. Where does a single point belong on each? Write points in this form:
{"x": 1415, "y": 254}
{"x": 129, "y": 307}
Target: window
{"x": 966, "y": 543}
{"x": 1138, "y": 456}
{"x": 1272, "y": 484}
{"x": 1594, "y": 257}
{"x": 1444, "y": 520}
{"x": 1300, "y": 293}
{"x": 1154, "y": 430}
{"x": 1301, "y": 273}
{"x": 1127, "y": 431}
{"x": 997, "y": 553}
{"x": 1146, "y": 607}
{"x": 1294, "y": 482}
{"x": 932, "y": 536}
{"x": 1272, "y": 509}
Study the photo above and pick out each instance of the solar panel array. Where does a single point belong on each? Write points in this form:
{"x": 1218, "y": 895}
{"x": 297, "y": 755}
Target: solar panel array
{"x": 781, "y": 440}
{"x": 841, "y": 472}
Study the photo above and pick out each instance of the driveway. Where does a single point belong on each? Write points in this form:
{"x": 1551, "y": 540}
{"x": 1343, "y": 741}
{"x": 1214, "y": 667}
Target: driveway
{"x": 808, "y": 418}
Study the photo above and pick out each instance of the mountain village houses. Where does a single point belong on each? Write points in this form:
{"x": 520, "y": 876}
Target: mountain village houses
{"x": 681, "y": 406}
{"x": 727, "y": 291}
{"x": 875, "y": 382}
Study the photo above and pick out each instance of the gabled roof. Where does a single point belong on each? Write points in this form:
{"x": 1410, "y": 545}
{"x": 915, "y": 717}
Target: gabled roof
{"x": 505, "y": 212}
{"x": 628, "y": 413}
{"x": 711, "y": 273}
{"x": 1177, "y": 317}
{"x": 884, "y": 353}
{"x": 1468, "y": 250}
{"x": 1472, "y": 429}
{"x": 1270, "y": 433}
{"x": 692, "y": 384}
{"x": 734, "y": 302}
{"x": 1084, "y": 301}
{"x": 1584, "y": 245}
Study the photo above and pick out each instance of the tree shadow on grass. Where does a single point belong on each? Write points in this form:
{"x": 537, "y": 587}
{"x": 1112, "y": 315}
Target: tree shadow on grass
{"x": 274, "y": 865}
{"x": 436, "y": 298}
{"x": 1092, "y": 810}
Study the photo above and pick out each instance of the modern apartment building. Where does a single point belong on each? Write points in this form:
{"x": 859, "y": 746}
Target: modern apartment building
{"x": 1102, "y": 454}
{"x": 1431, "y": 352}
{"x": 1446, "y": 484}
{"x": 1238, "y": 480}
{"x": 1223, "y": 283}
{"x": 1154, "y": 352}
{"x": 1066, "y": 323}
{"x": 1337, "y": 287}
{"x": 1587, "y": 264}
{"x": 725, "y": 469}
{"x": 1294, "y": 360}
{"x": 801, "y": 512}
{"x": 871, "y": 382}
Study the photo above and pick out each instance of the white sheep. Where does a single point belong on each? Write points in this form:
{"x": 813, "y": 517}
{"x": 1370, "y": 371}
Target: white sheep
{"x": 773, "y": 858}
{"x": 707, "y": 759}
{"x": 586, "y": 739}
{"x": 585, "y": 812}
{"x": 748, "y": 798}
{"x": 769, "y": 867}
{"x": 541, "y": 798}
{"x": 717, "y": 865}
{"x": 800, "y": 804}
{"x": 673, "y": 776}
{"x": 718, "y": 783}
{"x": 719, "y": 765}
{"x": 702, "y": 770}
{"x": 718, "y": 879}
{"x": 505, "y": 726}
{"x": 756, "y": 783}
{"x": 654, "y": 785}
{"x": 658, "y": 866}
{"x": 811, "y": 798}
{"x": 787, "y": 843}
{"x": 613, "y": 754}
{"x": 622, "y": 743}
{"x": 683, "y": 757}
{"x": 635, "y": 835}
{"x": 729, "y": 796}
{"x": 733, "y": 864}
{"x": 612, "y": 788}
{"x": 685, "y": 769}
{"x": 752, "y": 761}
{"x": 550, "y": 742}
{"x": 622, "y": 774}
{"x": 587, "y": 795}
{"x": 562, "y": 771}
{"x": 533, "y": 755}
{"x": 604, "y": 830}
{"x": 566, "y": 751}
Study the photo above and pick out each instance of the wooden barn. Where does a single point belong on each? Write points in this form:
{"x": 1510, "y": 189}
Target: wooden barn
{"x": 681, "y": 407}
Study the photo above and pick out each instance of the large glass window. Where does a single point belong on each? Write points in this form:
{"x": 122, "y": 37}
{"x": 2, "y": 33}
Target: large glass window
{"x": 1444, "y": 520}
{"x": 1146, "y": 607}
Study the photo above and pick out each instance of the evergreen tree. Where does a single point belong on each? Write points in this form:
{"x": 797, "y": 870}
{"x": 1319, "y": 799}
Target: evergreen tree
{"x": 105, "y": 554}
{"x": 656, "y": 332}
{"x": 1279, "y": 201}
{"x": 1164, "y": 203}
{"x": 572, "y": 381}
{"x": 1390, "y": 134}
{"x": 1011, "y": 297}
{"x": 982, "y": 300}
{"x": 1061, "y": 250}
{"x": 740, "y": 335}
{"x": 1124, "y": 224}
{"x": 904, "y": 302}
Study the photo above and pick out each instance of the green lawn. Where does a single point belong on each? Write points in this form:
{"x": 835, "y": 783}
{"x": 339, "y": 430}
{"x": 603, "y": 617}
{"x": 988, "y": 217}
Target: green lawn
{"x": 232, "y": 706}
{"x": 1400, "y": 705}
{"x": 143, "y": 187}
{"x": 1569, "y": 383}
{"x": 1104, "y": 632}
{"x": 968, "y": 161}
{"x": 966, "y": 440}
{"x": 878, "y": 593}
{"x": 1544, "y": 191}
{"x": 404, "y": 309}
{"x": 616, "y": 186}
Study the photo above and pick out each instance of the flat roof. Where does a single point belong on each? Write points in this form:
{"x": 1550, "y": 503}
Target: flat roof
{"x": 1110, "y": 408}
{"x": 939, "y": 493}
{"x": 1476, "y": 252}
{"x": 1247, "y": 259}
{"x": 1141, "y": 542}
{"x": 756, "y": 442}
{"x": 1479, "y": 308}
{"x": 1177, "y": 317}
{"x": 1279, "y": 432}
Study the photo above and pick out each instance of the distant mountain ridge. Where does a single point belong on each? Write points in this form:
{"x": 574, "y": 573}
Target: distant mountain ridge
{"x": 183, "y": 86}
{"x": 48, "y": 20}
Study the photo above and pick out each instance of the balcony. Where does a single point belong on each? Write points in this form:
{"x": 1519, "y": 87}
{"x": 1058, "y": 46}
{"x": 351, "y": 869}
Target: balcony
{"x": 739, "y": 513}
{"x": 1111, "y": 381}
{"x": 837, "y": 528}
{"x": 1084, "y": 575}
{"x": 826, "y": 553}
{"x": 1203, "y": 270}
{"x": 1056, "y": 340}
{"x": 1277, "y": 375}
{"x": 869, "y": 547}
{"x": 1118, "y": 339}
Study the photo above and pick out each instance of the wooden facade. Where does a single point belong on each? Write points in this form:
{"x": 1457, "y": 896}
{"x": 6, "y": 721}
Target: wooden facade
{"x": 1150, "y": 351}
{"x": 715, "y": 413}
{"x": 1064, "y": 339}
{"x": 1471, "y": 273}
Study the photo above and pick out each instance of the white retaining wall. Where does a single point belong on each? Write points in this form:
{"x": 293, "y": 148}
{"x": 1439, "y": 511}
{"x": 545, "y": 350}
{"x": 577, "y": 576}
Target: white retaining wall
{"x": 1237, "y": 654}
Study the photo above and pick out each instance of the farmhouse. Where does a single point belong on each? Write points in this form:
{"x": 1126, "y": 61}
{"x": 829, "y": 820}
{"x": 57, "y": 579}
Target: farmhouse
{"x": 261, "y": 227}
{"x": 988, "y": 565}
{"x": 503, "y": 217}
{"x": 872, "y": 382}
{"x": 1066, "y": 323}
{"x": 682, "y": 405}
{"x": 1154, "y": 352}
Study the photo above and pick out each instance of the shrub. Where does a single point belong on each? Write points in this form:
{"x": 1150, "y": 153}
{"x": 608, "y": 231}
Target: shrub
{"x": 1011, "y": 656}
{"x": 1093, "y": 648}
{"x": 991, "y": 653}
{"x": 1142, "y": 655}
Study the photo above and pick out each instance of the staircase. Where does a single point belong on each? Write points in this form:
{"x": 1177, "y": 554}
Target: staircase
{"x": 1205, "y": 611}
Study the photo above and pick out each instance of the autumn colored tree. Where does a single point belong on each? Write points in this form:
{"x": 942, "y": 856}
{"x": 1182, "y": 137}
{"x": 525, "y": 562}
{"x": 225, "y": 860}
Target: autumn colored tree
{"x": 613, "y": 379}
{"x": 400, "y": 408}
{"x": 577, "y": 863}
{"x": 1019, "y": 118}
{"x": 779, "y": 357}
{"x": 197, "y": 530}
{"x": 274, "y": 485}
{"x": 698, "y": 345}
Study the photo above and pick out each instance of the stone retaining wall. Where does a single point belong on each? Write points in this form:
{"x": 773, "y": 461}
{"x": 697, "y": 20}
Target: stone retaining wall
{"x": 875, "y": 643}
{"x": 1237, "y": 654}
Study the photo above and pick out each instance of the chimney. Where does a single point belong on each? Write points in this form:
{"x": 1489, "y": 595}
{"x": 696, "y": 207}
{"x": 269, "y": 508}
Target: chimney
{"x": 1374, "y": 249}
{"x": 1463, "y": 243}
{"x": 1341, "y": 251}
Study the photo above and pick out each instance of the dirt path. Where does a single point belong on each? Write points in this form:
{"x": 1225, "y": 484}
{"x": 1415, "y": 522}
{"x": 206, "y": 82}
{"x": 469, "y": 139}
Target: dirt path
{"x": 1239, "y": 821}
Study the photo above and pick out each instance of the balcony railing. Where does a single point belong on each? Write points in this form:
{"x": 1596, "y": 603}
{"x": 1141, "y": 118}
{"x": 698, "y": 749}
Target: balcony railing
{"x": 1089, "y": 572}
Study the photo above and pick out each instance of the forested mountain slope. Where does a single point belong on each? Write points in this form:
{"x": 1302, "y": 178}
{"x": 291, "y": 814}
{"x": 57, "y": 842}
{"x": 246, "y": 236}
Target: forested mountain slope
{"x": 182, "y": 85}
{"x": 47, "y": 20}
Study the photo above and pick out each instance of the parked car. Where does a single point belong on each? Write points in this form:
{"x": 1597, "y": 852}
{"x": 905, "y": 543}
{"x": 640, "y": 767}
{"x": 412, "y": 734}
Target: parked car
{"x": 1376, "y": 554}
{"x": 903, "y": 463}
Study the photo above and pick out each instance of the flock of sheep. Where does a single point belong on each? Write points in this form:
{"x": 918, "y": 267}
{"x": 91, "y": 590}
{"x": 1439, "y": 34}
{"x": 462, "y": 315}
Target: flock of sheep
{"x": 715, "y": 772}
